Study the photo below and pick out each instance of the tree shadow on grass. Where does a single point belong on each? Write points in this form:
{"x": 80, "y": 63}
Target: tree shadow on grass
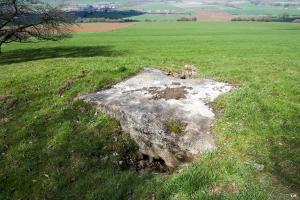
{"x": 69, "y": 154}
{"x": 285, "y": 157}
{"x": 24, "y": 55}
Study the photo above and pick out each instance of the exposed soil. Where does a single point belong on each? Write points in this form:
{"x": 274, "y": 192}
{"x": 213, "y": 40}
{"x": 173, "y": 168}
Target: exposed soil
{"x": 101, "y": 27}
{"x": 144, "y": 163}
{"x": 4, "y": 97}
{"x": 213, "y": 15}
{"x": 189, "y": 72}
{"x": 67, "y": 85}
{"x": 148, "y": 164}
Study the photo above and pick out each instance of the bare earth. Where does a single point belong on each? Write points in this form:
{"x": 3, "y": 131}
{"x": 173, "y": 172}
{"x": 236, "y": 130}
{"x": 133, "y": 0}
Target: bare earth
{"x": 213, "y": 15}
{"x": 100, "y": 27}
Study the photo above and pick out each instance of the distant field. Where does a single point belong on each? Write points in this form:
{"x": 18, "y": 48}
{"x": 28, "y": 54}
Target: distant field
{"x": 155, "y": 6}
{"x": 160, "y": 17}
{"x": 213, "y": 15}
{"x": 52, "y": 147}
{"x": 249, "y": 9}
{"x": 100, "y": 27}
{"x": 245, "y": 9}
{"x": 190, "y": 7}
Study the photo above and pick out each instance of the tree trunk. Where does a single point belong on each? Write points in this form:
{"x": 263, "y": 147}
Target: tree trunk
{"x": 1, "y": 47}
{"x": 1, "y": 44}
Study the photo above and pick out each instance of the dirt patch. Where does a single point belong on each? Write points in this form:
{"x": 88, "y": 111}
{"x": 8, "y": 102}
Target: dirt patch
{"x": 176, "y": 83}
{"x": 100, "y": 27}
{"x": 168, "y": 93}
{"x": 146, "y": 163}
{"x": 213, "y": 15}
{"x": 221, "y": 188}
{"x": 66, "y": 86}
{"x": 5, "y": 97}
{"x": 189, "y": 72}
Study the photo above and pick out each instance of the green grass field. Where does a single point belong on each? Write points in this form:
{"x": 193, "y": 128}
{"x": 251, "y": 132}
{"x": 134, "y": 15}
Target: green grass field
{"x": 246, "y": 9}
{"x": 250, "y": 9}
{"x": 53, "y": 147}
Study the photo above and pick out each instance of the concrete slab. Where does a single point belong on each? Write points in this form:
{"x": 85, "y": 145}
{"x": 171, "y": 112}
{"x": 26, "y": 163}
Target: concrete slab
{"x": 169, "y": 118}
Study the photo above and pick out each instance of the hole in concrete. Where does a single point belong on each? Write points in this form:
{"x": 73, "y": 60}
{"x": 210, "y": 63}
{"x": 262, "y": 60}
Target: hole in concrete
{"x": 176, "y": 83}
{"x": 144, "y": 163}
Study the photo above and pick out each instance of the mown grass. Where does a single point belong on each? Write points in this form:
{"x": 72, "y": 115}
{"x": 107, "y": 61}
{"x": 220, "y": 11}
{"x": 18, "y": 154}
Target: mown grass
{"x": 53, "y": 147}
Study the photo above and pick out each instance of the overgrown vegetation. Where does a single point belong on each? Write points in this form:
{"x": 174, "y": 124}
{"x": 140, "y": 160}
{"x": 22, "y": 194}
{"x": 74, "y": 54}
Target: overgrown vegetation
{"x": 279, "y": 18}
{"x": 176, "y": 126}
{"x": 186, "y": 19}
{"x": 253, "y": 19}
{"x": 52, "y": 147}
{"x": 93, "y": 20}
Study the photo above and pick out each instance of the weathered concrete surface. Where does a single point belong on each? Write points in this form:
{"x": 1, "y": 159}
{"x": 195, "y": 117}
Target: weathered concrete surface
{"x": 149, "y": 104}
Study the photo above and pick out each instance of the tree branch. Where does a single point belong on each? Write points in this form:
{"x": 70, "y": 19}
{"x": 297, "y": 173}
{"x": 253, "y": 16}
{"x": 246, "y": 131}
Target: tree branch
{"x": 21, "y": 20}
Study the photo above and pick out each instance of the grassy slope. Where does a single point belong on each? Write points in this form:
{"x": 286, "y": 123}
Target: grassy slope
{"x": 56, "y": 148}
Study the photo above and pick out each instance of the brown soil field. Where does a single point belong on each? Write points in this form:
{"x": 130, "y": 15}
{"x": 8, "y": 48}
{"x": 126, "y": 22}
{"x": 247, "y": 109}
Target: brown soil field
{"x": 100, "y": 27}
{"x": 213, "y": 15}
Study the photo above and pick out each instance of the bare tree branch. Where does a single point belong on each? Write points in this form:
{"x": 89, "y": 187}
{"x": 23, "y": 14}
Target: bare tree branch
{"x": 22, "y": 20}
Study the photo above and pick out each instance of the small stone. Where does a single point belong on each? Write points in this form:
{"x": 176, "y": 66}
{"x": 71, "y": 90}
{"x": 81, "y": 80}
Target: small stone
{"x": 115, "y": 154}
{"x": 153, "y": 197}
{"x": 4, "y": 120}
{"x": 104, "y": 158}
{"x": 115, "y": 139}
{"x": 258, "y": 167}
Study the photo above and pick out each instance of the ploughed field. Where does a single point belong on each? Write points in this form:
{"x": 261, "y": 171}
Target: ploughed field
{"x": 100, "y": 27}
{"x": 213, "y": 15}
{"x": 52, "y": 147}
